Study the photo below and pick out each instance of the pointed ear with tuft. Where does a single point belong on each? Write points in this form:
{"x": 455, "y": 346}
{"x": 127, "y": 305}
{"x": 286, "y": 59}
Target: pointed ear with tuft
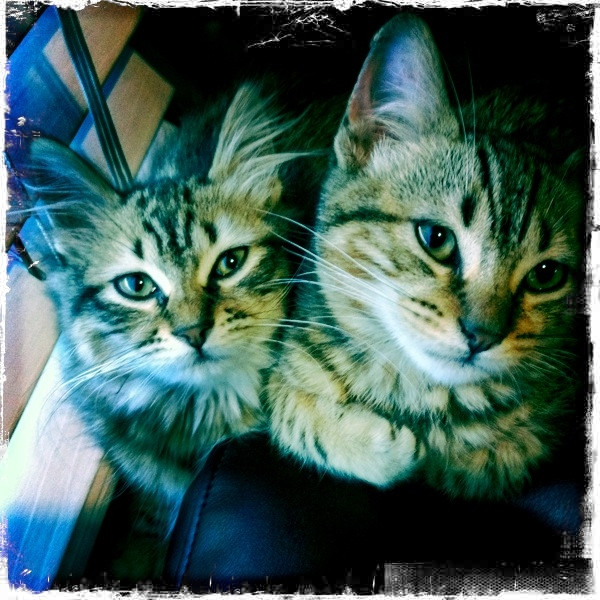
{"x": 66, "y": 185}
{"x": 400, "y": 92}
{"x": 247, "y": 161}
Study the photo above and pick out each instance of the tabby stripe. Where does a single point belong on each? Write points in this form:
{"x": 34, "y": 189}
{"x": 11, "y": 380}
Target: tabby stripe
{"x": 87, "y": 294}
{"x": 467, "y": 210}
{"x": 422, "y": 265}
{"x": 187, "y": 231}
{"x": 118, "y": 330}
{"x": 210, "y": 231}
{"x": 238, "y": 315}
{"x": 100, "y": 305}
{"x": 142, "y": 201}
{"x": 364, "y": 215}
{"x": 498, "y": 407}
{"x": 149, "y": 228}
{"x": 174, "y": 241}
{"x": 545, "y": 237}
{"x": 317, "y": 352}
{"x": 263, "y": 272}
{"x": 210, "y": 299}
{"x": 432, "y": 307}
{"x": 459, "y": 414}
{"x": 531, "y": 201}
{"x": 484, "y": 166}
{"x": 486, "y": 183}
{"x": 270, "y": 242}
{"x": 138, "y": 248}
{"x": 116, "y": 318}
{"x": 144, "y": 343}
{"x": 320, "y": 450}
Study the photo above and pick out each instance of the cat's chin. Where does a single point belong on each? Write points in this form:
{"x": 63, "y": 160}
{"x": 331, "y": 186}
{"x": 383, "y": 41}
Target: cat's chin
{"x": 446, "y": 371}
{"x": 210, "y": 369}
{"x": 198, "y": 372}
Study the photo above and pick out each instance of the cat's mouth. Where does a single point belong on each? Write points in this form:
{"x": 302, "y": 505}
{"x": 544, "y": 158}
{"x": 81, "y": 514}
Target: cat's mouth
{"x": 201, "y": 356}
{"x": 469, "y": 359}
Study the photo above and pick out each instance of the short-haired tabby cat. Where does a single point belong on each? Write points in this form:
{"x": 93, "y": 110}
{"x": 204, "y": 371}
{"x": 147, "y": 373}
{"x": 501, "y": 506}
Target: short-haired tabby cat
{"x": 169, "y": 296}
{"x": 435, "y": 334}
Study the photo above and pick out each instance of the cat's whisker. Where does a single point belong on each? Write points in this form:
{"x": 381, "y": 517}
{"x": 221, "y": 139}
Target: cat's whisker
{"x": 307, "y": 325}
{"x": 460, "y": 112}
{"x": 337, "y": 272}
{"x": 116, "y": 363}
{"x": 347, "y": 279}
{"x": 551, "y": 361}
{"x": 332, "y": 268}
{"x": 320, "y": 260}
{"x": 457, "y": 99}
{"x": 472, "y": 102}
{"x": 294, "y": 347}
{"x": 365, "y": 340}
{"x": 346, "y": 291}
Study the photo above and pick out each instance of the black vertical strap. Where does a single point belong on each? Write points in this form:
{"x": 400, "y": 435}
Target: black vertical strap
{"x": 84, "y": 67}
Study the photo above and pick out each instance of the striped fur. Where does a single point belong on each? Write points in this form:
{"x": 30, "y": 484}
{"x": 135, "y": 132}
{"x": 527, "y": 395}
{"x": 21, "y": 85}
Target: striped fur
{"x": 407, "y": 359}
{"x": 161, "y": 379}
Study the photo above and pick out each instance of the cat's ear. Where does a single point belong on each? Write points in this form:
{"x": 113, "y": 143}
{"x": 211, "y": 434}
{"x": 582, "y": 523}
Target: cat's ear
{"x": 246, "y": 160}
{"x": 400, "y": 92}
{"x": 62, "y": 182}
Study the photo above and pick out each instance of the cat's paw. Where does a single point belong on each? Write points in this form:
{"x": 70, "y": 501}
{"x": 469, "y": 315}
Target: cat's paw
{"x": 373, "y": 449}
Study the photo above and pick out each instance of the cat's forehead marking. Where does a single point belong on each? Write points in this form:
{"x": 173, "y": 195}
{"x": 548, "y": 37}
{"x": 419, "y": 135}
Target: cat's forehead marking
{"x": 210, "y": 230}
{"x": 138, "y": 248}
{"x": 514, "y": 190}
{"x": 467, "y": 209}
{"x": 545, "y": 236}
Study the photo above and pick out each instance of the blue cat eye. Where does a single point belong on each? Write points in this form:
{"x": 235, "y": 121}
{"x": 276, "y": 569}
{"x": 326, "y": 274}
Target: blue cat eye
{"x": 229, "y": 262}
{"x": 136, "y": 286}
{"x": 438, "y": 241}
{"x": 548, "y": 276}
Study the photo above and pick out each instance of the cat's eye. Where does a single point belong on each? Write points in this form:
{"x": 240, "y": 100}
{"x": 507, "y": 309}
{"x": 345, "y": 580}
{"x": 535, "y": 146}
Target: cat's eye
{"x": 136, "y": 286}
{"x": 546, "y": 277}
{"x": 230, "y": 261}
{"x": 438, "y": 241}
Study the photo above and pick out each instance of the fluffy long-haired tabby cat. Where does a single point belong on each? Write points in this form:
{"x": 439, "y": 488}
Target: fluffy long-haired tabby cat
{"x": 168, "y": 295}
{"x": 434, "y": 331}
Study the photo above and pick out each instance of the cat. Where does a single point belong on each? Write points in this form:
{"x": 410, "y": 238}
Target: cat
{"x": 434, "y": 334}
{"x": 169, "y": 296}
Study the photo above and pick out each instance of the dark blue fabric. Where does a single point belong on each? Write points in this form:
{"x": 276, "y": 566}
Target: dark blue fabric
{"x": 253, "y": 515}
{"x": 556, "y": 504}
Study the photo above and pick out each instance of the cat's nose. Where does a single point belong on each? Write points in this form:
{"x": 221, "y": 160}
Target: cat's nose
{"x": 194, "y": 335}
{"x": 480, "y": 338}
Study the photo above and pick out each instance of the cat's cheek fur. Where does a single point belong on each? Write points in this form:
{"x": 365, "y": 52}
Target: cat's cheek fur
{"x": 441, "y": 363}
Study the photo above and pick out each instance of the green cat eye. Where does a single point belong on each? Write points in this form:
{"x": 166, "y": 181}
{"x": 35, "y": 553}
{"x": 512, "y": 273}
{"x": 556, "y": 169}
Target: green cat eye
{"x": 230, "y": 261}
{"x": 438, "y": 241}
{"x": 136, "y": 286}
{"x": 546, "y": 277}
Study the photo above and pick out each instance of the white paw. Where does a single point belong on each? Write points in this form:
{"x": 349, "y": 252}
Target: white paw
{"x": 373, "y": 449}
